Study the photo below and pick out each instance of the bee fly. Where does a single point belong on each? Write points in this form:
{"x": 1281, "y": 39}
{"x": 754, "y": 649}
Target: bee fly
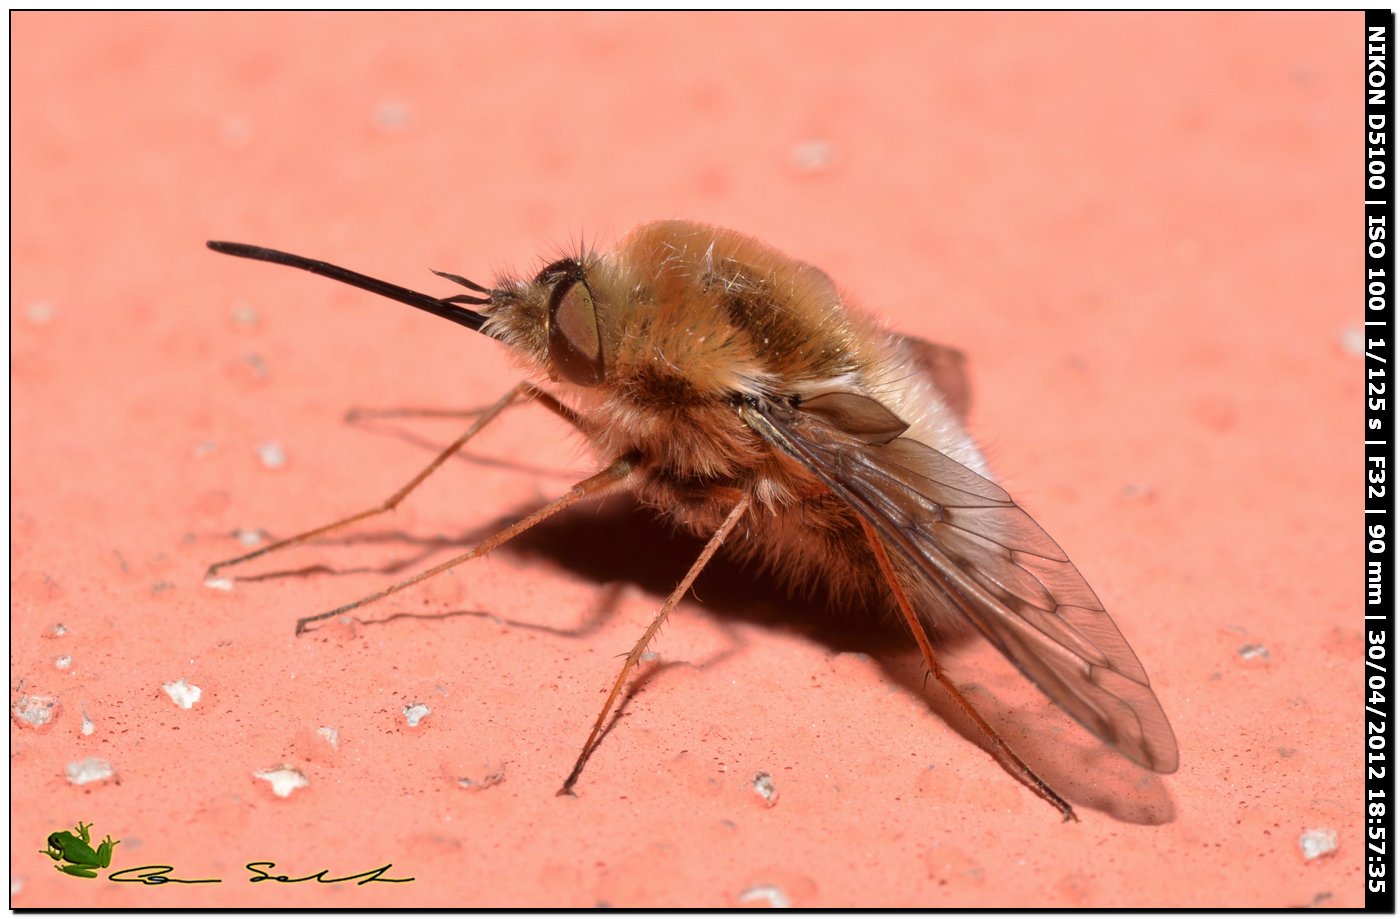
{"x": 729, "y": 386}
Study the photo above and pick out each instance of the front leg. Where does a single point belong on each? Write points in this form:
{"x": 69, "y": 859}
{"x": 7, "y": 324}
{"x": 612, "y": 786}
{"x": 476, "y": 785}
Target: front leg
{"x": 104, "y": 851}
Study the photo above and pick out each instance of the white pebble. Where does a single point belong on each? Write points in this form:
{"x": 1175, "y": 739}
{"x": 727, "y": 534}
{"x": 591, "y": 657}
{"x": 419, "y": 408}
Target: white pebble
{"x": 182, "y": 693}
{"x": 35, "y": 711}
{"x": 272, "y": 455}
{"x": 763, "y": 785}
{"x": 283, "y": 779}
{"x": 1317, "y": 843}
{"x": 774, "y": 895}
{"x": 89, "y": 770}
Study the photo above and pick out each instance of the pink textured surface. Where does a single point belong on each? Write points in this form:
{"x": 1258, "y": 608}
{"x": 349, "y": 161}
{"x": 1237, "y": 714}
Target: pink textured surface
{"x": 1141, "y": 228}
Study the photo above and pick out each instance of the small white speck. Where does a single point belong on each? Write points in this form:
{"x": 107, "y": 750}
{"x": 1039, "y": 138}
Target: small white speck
{"x": 88, "y": 726}
{"x": 1353, "y": 340}
{"x": 204, "y": 448}
{"x": 283, "y": 779}
{"x": 331, "y": 735}
{"x": 272, "y": 455}
{"x": 813, "y": 155}
{"x": 763, "y": 786}
{"x": 182, "y": 693}
{"x": 774, "y": 895}
{"x": 648, "y": 656}
{"x": 244, "y": 314}
{"x": 89, "y": 770}
{"x": 415, "y": 713}
{"x": 35, "y": 711}
{"x": 249, "y": 538}
{"x": 16, "y": 884}
{"x": 60, "y": 629}
{"x": 40, "y": 312}
{"x": 1317, "y": 843}
{"x": 219, "y": 583}
{"x": 259, "y": 367}
{"x": 63, "y": 662}
{"x": 1250, "y": 652}
{"x": 391, "y": 116}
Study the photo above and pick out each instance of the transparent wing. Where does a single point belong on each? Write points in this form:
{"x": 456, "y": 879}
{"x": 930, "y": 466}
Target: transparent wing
{"x": 1013, "y": 581}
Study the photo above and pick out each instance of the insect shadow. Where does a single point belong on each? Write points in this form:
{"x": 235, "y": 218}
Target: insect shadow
{"x": 616, "y": 543}
{"x": 619, "y": 542}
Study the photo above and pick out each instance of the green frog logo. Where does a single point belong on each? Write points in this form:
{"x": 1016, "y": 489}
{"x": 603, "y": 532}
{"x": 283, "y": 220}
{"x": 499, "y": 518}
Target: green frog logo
{"x": 75, "y": 853}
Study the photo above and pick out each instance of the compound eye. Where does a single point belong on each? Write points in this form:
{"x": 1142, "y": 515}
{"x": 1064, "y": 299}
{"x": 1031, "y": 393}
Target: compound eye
{"x": 575, "y": 343}
{"x": 566, "y": 267}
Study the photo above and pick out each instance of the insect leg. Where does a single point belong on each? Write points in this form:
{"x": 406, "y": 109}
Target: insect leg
{"x": 370, "y": 414}
{"x": 601, "y": 483}
{"x": 519, "y": 392}
{"x": 539, "y": 395}
{"x": 640, "y": 647}
{"x": 1003, "y": 753}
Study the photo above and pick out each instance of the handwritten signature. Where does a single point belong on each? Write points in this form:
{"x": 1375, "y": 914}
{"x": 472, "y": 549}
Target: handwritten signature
{"x": 152, "y": 875}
